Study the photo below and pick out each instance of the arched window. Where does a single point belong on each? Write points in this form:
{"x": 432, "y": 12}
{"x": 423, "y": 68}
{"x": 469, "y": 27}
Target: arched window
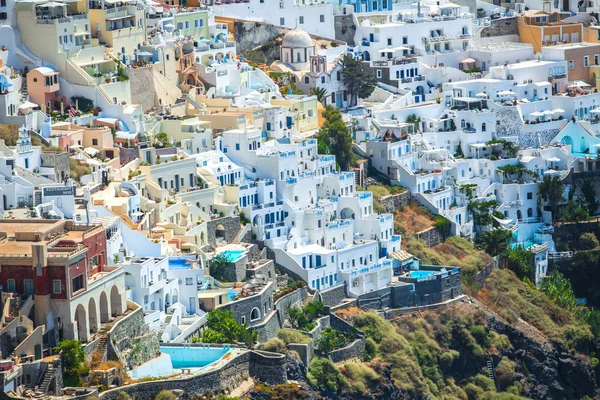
{"x": 483, "y": 127}
{"x": 254, "y": 314}
{"x": 463, "y": 124}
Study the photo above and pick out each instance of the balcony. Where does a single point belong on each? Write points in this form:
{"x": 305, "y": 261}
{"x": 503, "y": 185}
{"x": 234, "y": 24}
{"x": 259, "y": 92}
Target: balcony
{"x": 556, "y": 77}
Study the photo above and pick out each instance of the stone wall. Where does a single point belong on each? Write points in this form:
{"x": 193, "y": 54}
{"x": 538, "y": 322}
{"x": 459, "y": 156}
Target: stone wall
{"x": 243, "y": 307}
{"x": 250, "y": 34}
{"x": 481, "y": 276}
{"x": 377, "y": 299}
{"x": 269, "y": 327}
{"x": 437, "y": 290}
{"x": 501, "y": 27}
{"x": 60, "y": 162}
{"x": 267, "y": 269}
{"x": 355, "y": 349}
{"x": 305, "y": 351}
{"x": 321, "y": 324}
{"x": 141, "y": 82}
{"x": 431, "y": 237}
{"x": 296, "y": 298}
{"x": 131, "y": 341}
{"x": 235, "y": 271}
{"x": 572, "y": 231}
{"x": 231, "y": 225}
{"x": 263, "y": 366}
{"x": 345, "y": 28}
{"x": 333, "y": 296}
{"x": 393, "y": 202}
{"x": 403, "y": 295}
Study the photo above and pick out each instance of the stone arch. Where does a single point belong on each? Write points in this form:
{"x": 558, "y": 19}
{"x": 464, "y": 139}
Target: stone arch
{"x": 346, "y": 213}
{"x": 93, "y": 315}
{"x": 104, "y": 310}
{"x": 254, "y": 314}
{"x": 116, "y": 304}
{"x": 220, "y": 231}
{"x": 81, "y": 323}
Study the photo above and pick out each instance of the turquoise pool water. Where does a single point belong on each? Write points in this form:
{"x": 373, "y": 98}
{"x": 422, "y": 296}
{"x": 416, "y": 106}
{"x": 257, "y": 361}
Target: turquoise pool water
{"x": 233, "y": 255}
{"x": 193, "y": 357}
{"x": 179, "y": 263}
{"x": 584, "y": 155}
{"x": 526, "y": 244}
{"x": 421, "y": 274}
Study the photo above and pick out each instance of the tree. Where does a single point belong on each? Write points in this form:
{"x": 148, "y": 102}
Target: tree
{"x": 481, "y": 212}
{"x": 494, "y": 242}
{"x": 357, "y": 78}
{"x": 221, "y": 327}
{"x": 587, "y": 241}
{"x": 520, "y": 261}
{"x": 574, "y": 212}
{"x": 323, "y": 374}
{"x": 161, "y": 140}
{"x": 320, "y": 93}
{"x": 551, "y": 191}
{"x": 559, "y": 289}
{"x": 588, "y": 191}
{"x": 218, "y": 266}
{"x": 73, "y": 355}
{"x": 336, "y": 136}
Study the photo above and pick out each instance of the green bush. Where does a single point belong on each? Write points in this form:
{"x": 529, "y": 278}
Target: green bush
{"x": 324, "y": 375}
{"x": 275, "y": 345}
{"x": 165, "y": 395}
{"x": 362, "y": 377}
{"x": 370, "y": 348}
{"x": 221, "y": 327}
{"x": 505, "y": 373}
{"x": 290, "y": 336}
{"x": 73, "y": 355}
{"x": 588, "y": 241}
{"x": 123, "y": 396}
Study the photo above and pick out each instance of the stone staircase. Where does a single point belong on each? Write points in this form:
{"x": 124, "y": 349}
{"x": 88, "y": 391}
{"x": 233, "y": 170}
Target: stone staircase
{"x": 47, "y": 380}
{"x": 101, "y": 348}
{"x": 24, "y": 93}
{"x": 164, "y": 326}
{"x": 490, "y": 368}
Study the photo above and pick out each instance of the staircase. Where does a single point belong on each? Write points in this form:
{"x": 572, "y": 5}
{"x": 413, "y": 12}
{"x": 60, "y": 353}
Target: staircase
{"x": 128, "y": 191}
{"x": 162, "y": 329}
{"x": 48, "y": 376}
{"x": 490, "y": 368}
{"x": 102, "y": 343}
{"x": 37, "y": 198}
{"x": 24, "y": 93}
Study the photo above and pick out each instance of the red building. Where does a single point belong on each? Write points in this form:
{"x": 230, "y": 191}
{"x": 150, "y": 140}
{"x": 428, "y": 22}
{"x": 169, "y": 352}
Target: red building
{"x": 63, "y": 266}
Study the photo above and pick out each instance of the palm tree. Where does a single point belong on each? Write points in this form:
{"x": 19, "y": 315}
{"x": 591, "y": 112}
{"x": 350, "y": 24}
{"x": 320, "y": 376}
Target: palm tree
{"x": 494, "y": 242}
{"x": 320, "y": 92}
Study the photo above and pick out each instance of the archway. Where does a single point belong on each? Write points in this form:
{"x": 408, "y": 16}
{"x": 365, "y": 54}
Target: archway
{"x": 346, "y": 213}
{"x": 104, "y": 311}
{"x": 175, "y": 296}
{"x": 220, "y": 231}
{"x": 519, "y": 215}
{"x": 254, "y": 314}
{"x": 167, "y": 300}
{"x": 567, "y": 140}
{"x": 529, "y": 212}
{"x": 81, "y": 322}
{"x": 366, "y": 56}
{"x": 116, "y": 305}
{"x": 93, "y": 315}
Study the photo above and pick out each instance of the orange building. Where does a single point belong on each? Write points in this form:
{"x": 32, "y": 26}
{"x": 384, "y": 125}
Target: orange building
{"x": 540, "y": 28}
{"x": 42, "y": 86}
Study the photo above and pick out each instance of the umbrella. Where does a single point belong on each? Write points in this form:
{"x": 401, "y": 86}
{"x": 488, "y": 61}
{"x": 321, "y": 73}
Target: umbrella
{"x": 537, "y": 114}
{"x": 548, "y": 112}
{"x": 506, "y": 93}
{"x": 170, "y": 26}
{"x": 481, "y": 94}
{"x": 553, "y": 159}
{"x": 188, "y": 244}
{"x": 579, "y": 84}
{"x": 144, "y": 54}
{"x": 205, "y": 40}
{"x": 558, "y": 110}
{"x": 137, "y": 214}
{"x": 158, "y": 229}
{"x": 595, "y": 111}
{"x": 27, "y": 104}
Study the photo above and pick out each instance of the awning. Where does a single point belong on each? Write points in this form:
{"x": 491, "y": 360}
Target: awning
{"x": 553, "y": 159}
{"x": 595, "y": 111}
{"x": 468, "y": 60}
{"x": 91, "y": 151}
{"x": 558, "y": 111}
{"x": 401, "y": 255}
{"x": 537, "y": 114}
{"x": 27, "y": 104}
{"x": 506, "y": 93}
{"x": 579, "y": 84}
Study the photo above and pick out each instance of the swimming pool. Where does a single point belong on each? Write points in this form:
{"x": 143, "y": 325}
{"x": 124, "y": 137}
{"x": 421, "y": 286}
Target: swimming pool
{"x": 233, "y": 255}
{"x": 179, "y": 263}
{"x": 420, "y": 275}
{"x": 193, "y": 356}
{"x": 525, "y": 244}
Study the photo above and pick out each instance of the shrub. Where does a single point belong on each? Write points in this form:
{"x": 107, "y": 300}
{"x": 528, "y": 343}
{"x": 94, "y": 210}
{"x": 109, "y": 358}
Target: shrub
{"x": 588, "y": 241}
{"x": 123, "y": 396}
{"x": 505, "y": 373}
{"x": 324, "y": 375}
{"x": 361, "y": 376}
{"x": 73, "y": 355}
{"x": 290, "y": 336}
{"x": 165, "y": 395}
{"x": 275, "y": 345}
{"x": 370, "y": 348}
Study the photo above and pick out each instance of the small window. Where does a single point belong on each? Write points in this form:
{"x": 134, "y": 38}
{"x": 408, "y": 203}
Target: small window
{"x": 56, "y": 286}
{"x": 11, "y": 285}
{"x": 379, "y": 73}
{"x": 301, "y": 20}
{"x": 529, "y": 195}
{"x": 94, "y": 142}
{"x": 571, "y": 64}
{"x": 281, "y": 20}
{"x": 306, "y": 80}
{"x": 322, "y": 18}
{"x": 243, "y": 320}
{"x": 35, "y": 79}
{"x": 189, "y": 281}
{"x": 586, "y": 61}
{"x": 389, "y": 41}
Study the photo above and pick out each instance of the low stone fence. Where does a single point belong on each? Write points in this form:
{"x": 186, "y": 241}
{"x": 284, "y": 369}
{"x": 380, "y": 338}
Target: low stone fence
{"x": 431, "y": 237}
{"x": 260, "y": 365}
{"x": 480, "y": 277}
{"x": 390, "y": 314}
{"x": 353, "y": 350}
{"x": 393, "y": 202}
{"x": 334, "y": 295}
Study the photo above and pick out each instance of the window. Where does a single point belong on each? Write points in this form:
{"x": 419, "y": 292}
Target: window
{"x": 322, "y": 79}
{"x": 281, "y": 20}
{"x": 306, "y": 80}
{"x": 187, "y": 24}
{"x": 379, "y": 73}
{"x": 389, "y": 41}
{"x": 586, "y": 61}
{"x": 201, "y": 22}
{"x": 77, "y": 283}
{"x": 529, "y": 195}
{"x": 574, "y": 37}
{"x": 322, "y": 18}
{"x": 243, "y": 320}
{"x": 571, "y": 64}
{"x": 189, "y": 281}
{"x": 404, "y": 39}
{"x": 196, "y": 23}
{"x": 301, "y": 20}
{"x": 180, "y": 25}
{"x": 339, "y": 75}
{"x": 483, "y": 127}
{"x": 237, "y": 146}
{"x": 254, "y": 314}
{"x": 146, "y": 299}
{"x": 281, "y": 6}
{"x": 596, "y": 59}
{"x": 94, "y": 142}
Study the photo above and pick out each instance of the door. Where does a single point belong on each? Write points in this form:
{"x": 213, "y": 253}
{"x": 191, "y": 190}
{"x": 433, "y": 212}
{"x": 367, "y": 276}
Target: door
{"x": 193, "y": 301}
{"x": 28, "y": 287}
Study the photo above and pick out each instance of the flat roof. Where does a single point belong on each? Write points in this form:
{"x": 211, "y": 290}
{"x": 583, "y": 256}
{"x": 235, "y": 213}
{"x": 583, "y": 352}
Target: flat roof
{"x": 12, "y": 227}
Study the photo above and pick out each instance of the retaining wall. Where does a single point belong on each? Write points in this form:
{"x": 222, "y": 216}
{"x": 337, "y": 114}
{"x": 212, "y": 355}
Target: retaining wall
{"x": 333, "y": 296}
{"x": 353, "y": 350}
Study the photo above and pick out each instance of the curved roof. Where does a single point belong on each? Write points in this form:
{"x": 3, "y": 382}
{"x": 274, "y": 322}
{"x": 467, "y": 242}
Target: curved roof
{"x": 297, "y": 38}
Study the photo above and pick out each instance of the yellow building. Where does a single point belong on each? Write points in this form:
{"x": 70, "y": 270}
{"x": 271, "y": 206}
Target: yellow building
{"x": 303, "y": 110}
{"x": 540, "y": 29}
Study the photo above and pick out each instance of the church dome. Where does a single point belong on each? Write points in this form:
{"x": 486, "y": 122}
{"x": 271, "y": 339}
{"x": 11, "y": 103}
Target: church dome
{"x": 297, "y": 38}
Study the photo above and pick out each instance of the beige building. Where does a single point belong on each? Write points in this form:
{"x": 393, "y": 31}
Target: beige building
{"x": 582, "y": 59}
{"x": 540, "y": 29}
{"x": 42, "y": 86}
